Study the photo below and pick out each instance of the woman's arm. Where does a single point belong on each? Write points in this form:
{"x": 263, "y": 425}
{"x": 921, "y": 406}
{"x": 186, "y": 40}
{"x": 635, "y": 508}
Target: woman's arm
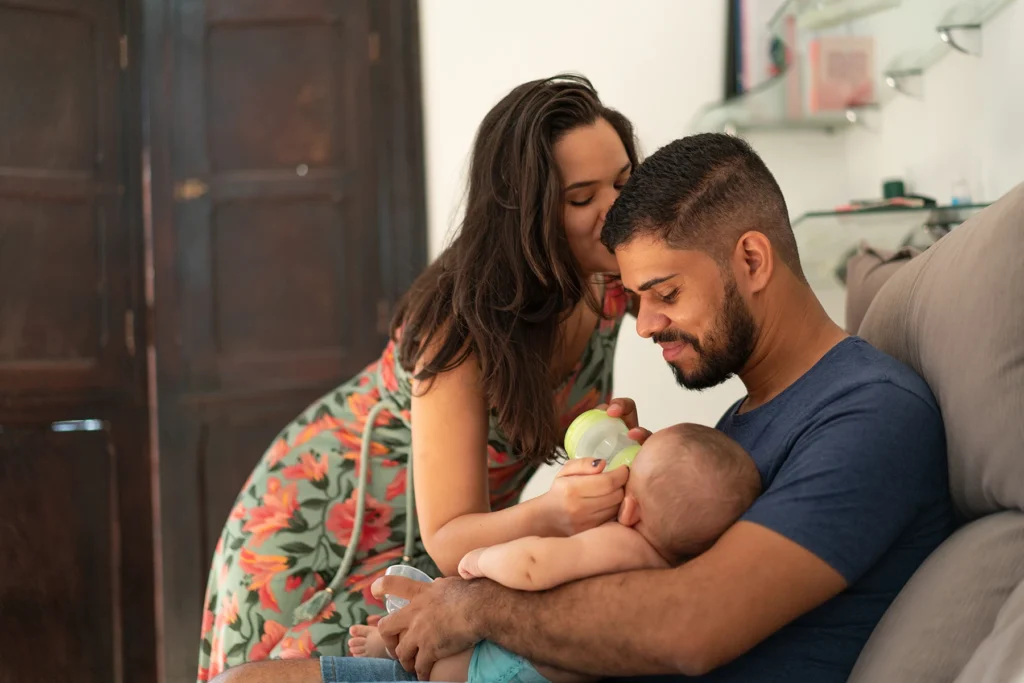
{"x": 449, "y": 446}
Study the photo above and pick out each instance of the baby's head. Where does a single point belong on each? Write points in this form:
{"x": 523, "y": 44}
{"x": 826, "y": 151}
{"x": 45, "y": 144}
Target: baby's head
{"x": 687, "y": 486}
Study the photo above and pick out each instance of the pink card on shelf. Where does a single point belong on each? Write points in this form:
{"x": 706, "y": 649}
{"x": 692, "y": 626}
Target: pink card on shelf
{"x": 841, "y": 72}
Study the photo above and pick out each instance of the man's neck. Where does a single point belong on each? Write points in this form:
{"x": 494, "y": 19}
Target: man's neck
{"x": 793, "y": 338}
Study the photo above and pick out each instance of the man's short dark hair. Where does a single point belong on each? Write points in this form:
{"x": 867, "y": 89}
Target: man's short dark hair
{"x": 702, "y": 192}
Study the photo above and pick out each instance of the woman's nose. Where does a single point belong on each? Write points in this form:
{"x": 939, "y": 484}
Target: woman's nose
{"x": 607, "y": 199}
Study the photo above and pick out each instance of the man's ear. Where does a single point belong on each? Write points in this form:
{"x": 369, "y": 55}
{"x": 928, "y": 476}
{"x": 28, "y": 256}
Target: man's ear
{"x": 753, "y": 261}
{"x": 629, "y": 511}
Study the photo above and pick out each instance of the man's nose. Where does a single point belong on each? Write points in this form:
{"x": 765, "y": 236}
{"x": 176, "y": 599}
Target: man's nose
{"x": 649, "y": 323}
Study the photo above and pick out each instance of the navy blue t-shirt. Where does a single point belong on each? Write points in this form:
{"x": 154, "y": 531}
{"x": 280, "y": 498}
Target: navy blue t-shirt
{"x": 853, "y": 460}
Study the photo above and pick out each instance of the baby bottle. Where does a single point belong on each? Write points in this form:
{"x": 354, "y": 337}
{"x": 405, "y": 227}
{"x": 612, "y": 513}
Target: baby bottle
{"x": 595, "y": 435}
{"x": 393, "y": 603}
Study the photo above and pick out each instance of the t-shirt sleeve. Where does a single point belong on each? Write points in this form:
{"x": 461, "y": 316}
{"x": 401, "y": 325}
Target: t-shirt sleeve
{"x": 857, "y": 477}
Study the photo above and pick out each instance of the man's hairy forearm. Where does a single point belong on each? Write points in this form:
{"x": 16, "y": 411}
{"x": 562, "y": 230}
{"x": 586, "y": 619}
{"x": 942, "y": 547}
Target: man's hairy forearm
{"x": 618, "y": 624}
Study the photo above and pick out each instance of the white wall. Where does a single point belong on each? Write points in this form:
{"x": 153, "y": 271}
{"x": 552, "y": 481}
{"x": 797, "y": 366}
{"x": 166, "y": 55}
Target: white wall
{"x": 657, "y": 61}
{"x": 970, "y": 122}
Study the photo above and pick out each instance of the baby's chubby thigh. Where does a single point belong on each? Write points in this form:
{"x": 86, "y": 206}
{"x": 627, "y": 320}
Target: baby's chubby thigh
{"x": 454, "y": 669}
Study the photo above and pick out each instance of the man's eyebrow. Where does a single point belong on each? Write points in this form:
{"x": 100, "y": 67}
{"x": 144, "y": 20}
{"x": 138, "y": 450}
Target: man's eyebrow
{"x": 655, "y": 281}
{"x": 585, "y": 183}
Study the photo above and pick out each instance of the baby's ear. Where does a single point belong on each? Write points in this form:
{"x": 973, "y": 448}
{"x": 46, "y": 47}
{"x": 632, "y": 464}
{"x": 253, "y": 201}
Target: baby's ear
{"x": 629, "y": 511}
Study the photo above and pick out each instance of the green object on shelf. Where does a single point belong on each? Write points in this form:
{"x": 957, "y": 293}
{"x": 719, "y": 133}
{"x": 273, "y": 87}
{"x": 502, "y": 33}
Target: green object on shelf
{"x": 893, "y": 188}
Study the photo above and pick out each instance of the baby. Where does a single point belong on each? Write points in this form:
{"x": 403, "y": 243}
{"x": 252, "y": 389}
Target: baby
{"x": 687, "y": 486}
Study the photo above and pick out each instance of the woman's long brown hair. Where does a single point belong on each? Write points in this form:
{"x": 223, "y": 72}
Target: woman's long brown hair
{"x": 500, "y": 290}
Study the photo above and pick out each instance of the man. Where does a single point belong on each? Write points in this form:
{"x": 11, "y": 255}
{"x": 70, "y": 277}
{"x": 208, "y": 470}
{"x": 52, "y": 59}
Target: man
{"x": 849, "y": 443}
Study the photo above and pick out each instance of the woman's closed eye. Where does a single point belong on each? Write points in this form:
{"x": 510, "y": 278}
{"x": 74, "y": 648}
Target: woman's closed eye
{"x": 581, "y": 202}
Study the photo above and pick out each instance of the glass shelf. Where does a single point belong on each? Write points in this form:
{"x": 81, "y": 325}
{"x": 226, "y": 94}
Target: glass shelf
{"x": 811, "y": 15}
{"x": 905, "y": 74}
{"x": 960, "y": 28}
{"x": 764, "y": 110}
{"x": 826, "y": 239}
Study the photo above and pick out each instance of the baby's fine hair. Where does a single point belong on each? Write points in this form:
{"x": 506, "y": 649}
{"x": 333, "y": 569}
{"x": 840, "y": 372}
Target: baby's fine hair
{"x": 703, "y": 481}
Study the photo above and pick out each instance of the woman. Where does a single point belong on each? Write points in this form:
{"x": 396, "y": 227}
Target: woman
{"x": 498, "y": 345}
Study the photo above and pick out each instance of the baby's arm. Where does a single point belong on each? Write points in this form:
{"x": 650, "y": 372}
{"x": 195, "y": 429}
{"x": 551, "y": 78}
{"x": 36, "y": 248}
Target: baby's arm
{"x": 534, "y": 563}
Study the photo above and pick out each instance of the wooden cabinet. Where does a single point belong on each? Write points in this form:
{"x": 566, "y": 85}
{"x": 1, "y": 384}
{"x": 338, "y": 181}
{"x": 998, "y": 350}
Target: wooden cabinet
{"x": 76, "y": 569}
{"x": 207, "y": 211}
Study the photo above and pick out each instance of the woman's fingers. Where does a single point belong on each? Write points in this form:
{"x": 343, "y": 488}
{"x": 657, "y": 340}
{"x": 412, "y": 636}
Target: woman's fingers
{"x": 579, "y": 466}
{"x": 609, "y": 501}
{"x": 600, "y": 484}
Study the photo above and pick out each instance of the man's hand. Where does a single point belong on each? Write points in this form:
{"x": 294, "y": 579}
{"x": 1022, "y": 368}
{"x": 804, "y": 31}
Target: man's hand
{"x": 439, "y": 621}
{"x": 625, "y": 410}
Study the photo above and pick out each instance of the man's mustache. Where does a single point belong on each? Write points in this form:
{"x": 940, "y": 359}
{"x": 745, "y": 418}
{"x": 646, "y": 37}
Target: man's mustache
{"x": 673, "y": 336}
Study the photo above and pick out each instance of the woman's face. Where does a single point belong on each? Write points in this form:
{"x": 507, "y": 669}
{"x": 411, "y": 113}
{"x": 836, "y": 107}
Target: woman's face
{"x": 594, "y": 166}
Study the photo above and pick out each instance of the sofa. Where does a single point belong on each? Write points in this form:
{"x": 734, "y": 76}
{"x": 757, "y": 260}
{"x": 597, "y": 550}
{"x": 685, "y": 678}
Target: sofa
{"x": 955, "y": 313}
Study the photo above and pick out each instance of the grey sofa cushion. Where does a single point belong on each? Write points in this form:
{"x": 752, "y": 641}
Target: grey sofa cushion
{"x": 950, "y": 607}
{"x": 866, "y": 271}
{"x": 956, "y": 315}
{"x": 1000, "y": 657}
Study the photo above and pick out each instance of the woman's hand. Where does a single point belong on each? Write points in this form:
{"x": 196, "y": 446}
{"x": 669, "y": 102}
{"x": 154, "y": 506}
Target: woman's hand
{"x": 625, "y": 410}
{"x": 583, "y": 496}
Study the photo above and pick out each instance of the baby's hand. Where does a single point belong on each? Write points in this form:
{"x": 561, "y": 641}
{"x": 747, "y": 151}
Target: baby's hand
{"x": 469, "y": 568}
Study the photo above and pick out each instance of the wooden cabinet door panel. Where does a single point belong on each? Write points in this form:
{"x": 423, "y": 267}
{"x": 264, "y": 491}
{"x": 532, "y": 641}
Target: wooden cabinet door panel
{"x": 273, "y": 164}
{"x": 64, "y": 261}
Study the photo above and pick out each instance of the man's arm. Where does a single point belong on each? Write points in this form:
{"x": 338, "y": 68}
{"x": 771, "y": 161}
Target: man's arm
{"x": 850, "y": 487}
{"x": 534, "y": 563}
{"x": 687, "y": 620}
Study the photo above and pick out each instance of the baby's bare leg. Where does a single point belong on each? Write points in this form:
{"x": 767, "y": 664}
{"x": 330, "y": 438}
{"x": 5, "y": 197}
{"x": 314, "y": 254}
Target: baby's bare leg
{"x": 454, "y": 669}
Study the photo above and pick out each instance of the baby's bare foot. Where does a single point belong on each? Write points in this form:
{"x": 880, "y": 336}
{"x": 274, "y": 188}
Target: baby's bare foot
{"x": 366, "y": 641}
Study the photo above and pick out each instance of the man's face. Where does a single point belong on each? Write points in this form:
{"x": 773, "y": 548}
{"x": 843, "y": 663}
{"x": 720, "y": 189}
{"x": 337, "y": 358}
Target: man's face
{"x": 691, "y": 308}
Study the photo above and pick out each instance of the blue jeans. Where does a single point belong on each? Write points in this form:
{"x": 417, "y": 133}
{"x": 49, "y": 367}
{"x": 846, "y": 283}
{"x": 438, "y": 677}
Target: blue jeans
{"x": 362, "y": 670}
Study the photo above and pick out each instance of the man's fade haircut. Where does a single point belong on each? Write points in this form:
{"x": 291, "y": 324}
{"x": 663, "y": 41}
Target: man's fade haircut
{"x": 702, "y": 192}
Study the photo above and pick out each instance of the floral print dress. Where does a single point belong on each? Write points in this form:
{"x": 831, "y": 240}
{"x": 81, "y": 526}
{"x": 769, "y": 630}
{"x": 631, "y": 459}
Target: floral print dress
{"x": 293, "y": 520}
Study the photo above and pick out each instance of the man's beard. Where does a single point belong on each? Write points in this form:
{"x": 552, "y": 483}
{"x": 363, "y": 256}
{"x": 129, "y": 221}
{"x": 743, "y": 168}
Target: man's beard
{"x": 725, "y": 349}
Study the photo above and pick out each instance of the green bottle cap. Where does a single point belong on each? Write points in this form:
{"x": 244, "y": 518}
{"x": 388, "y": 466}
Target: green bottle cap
{"x": 624, "y": 457}
{"x": 580, "y": 426}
